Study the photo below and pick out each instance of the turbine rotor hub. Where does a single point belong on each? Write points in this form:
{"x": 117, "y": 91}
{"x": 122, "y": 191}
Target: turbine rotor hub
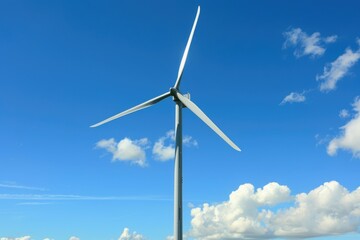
{"x": 173, "y": 92}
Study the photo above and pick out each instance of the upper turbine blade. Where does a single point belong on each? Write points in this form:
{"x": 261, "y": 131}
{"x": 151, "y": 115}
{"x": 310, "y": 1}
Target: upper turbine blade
{"x": 197, "y": 111}
{"x": 183, "y": 60}
{"x": 134, "y": 109}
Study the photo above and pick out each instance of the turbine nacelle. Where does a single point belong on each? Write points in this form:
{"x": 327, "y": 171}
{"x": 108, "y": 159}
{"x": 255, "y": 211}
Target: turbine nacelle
{"x": 174, "y": 93}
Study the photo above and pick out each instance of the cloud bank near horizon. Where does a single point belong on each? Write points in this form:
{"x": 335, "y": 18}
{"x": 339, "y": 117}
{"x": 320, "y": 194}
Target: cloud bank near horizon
{"x": 327, "y": 210}
{"x": 270, "y": 212}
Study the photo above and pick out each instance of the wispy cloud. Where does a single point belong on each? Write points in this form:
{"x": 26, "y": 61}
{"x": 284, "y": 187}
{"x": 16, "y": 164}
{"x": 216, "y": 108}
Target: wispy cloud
{"x": 336, "y": 70}
{"x": 190, "y": 141}
{"x": 304, "y": 44}
{"x": 19, "y": 238}
{"x": 16, "y": 186}
{"x": 320, "y": 140}
{"x": 29, "y": 238}
{"x": 344, "y": 113}
{"x": 64, "y": 197}
{"x": 32, "y": 204}
{"x": 164, "y": 147}
{"x": 294, "y": 97}
{"x": 132, "y": 151}
{"x": 349, "y": 138}
{"x": 74, "y": 238}
{"x": 327, "y": 210}
{"x": 128, "y": 235}
{"x": 314, "y": 46}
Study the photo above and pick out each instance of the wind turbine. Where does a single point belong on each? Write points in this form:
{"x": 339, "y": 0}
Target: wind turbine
{"x": 181, "y": 102}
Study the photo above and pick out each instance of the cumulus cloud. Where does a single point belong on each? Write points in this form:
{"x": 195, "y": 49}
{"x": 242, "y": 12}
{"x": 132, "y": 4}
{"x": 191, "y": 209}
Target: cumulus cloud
{"x": 329, "y": 209}
{"x": 304, "y": 44}
{"x": 293, "y": 97}
{"x": 127, "y": 235}
{"x": 164, "y": 148}
{"x": 239, "y": 216}
{"x": 349, "y": 138}
{"x": 126, "y": 149}
{"x": 338, "y": 69}
{"x": 74, "y": 238}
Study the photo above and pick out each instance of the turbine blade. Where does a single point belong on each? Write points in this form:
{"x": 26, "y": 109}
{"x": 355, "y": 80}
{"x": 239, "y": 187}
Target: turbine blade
{"x": 197, "y": 111}
{"x": 183, "y": 60}
{"x": 134, "y": 109}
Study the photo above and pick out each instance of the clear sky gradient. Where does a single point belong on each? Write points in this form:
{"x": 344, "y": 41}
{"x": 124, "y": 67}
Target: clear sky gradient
{"x": 280, "y": 78}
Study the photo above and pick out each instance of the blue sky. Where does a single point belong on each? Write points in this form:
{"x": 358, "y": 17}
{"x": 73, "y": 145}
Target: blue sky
{"x": 280, "y": 78}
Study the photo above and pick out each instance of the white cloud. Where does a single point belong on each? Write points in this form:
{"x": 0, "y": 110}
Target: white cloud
{"x": 59, "y": 197}
{"x": 293, "y": 97}
{"x": 32, "y": 203}
{"x": 238, "y": 217}
{"x": 74, "y": 238}
{"x": 344, "y": 113}
{"x": 320, "y": 140}
{"x": 330, "y": 39}
{"x": 349, "y": 138}
{"x": 337, "y": 69}
{"x": 16, "y": 186}
{"x": 164, "y": 148}
{"x": 20, "y": 238}
{"x": 127, "y": 235}
{"x": 327, "y": 210}
{"x": 190, "y": 141}
{"x": 306, "y": 45}
{"x": 164, "y": 152}
{"x": 126, "y": 150}
{"x": 29, "y": 238}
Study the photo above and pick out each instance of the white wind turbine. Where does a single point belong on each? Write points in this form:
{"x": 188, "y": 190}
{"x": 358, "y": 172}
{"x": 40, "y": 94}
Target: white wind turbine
{"x": 181, "y": 101}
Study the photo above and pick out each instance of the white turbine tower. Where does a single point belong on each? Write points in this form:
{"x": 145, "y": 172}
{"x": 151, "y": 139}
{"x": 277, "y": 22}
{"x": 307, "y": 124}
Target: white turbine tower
{"x": 181, "y": 102}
